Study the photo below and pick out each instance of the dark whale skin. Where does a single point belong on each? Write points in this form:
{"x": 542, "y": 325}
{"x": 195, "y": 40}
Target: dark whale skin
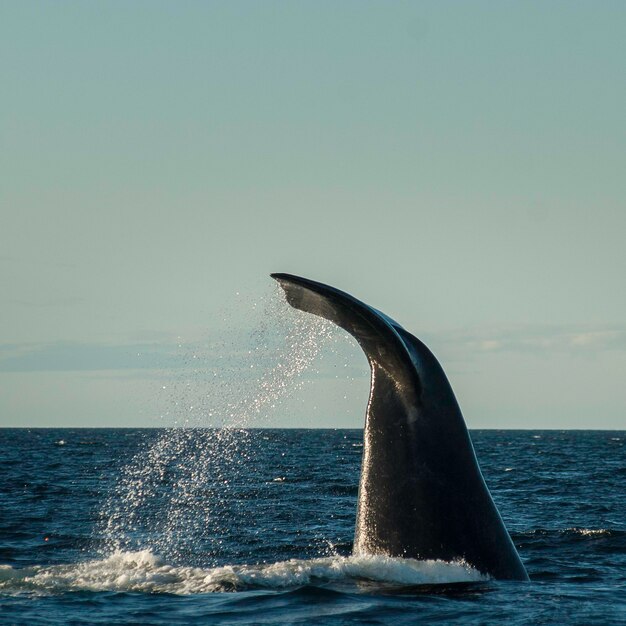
{"x": 421, "y": 492}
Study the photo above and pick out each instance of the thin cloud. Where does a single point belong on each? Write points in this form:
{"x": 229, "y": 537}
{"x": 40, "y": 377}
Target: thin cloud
{"x": 236, "y": 353}
{"x": 536, "y": 339}
{"x": 73, "y": 356}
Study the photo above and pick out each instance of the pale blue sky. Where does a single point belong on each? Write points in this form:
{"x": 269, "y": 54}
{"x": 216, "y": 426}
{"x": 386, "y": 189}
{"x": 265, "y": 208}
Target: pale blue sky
{"x": 458, "y": 165}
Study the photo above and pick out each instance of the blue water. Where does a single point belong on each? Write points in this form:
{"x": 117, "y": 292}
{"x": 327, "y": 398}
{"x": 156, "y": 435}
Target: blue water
{"x": 123, "y": 526}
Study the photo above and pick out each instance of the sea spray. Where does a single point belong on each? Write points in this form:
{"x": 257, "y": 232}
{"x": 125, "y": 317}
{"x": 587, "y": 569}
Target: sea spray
{"x": 184, "y": 488}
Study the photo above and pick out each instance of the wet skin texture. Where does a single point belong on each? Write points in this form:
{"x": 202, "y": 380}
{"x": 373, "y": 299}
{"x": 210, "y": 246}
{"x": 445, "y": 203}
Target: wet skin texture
{"x": 421, "y": 493}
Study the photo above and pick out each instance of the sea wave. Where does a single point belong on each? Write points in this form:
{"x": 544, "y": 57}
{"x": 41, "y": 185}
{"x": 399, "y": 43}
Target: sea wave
{"x": 591, "y": 532}
{"x": 146, "y": 572}
{"x": 571, "y": 533}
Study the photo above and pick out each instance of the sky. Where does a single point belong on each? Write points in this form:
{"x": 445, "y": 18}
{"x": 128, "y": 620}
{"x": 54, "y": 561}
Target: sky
{"x": 459, "y": 166}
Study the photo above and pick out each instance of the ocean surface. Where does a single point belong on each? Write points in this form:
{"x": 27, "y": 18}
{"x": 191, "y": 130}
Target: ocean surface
{"x": 232, "y": 526}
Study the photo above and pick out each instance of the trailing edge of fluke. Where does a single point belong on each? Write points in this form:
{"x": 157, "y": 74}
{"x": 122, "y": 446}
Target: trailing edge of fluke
{"x": 421, "y": 492}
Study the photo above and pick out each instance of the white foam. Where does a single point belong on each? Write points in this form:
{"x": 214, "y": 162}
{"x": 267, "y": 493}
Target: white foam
{"x": 145, "y": 572}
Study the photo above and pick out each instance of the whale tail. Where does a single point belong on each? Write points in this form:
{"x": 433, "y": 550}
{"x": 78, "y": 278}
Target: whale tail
{"x": 421, "y": 492}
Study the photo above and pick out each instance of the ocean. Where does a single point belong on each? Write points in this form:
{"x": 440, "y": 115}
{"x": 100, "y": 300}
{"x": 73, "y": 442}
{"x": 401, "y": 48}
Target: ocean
{"x": 235, "y": 526}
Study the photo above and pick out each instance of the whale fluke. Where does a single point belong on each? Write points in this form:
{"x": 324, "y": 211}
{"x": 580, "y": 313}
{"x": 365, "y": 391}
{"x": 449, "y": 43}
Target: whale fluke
{"x": 421, "y": 492}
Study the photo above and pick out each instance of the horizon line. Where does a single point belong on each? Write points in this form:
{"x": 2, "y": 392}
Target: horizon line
{"x": 617, "y": 430}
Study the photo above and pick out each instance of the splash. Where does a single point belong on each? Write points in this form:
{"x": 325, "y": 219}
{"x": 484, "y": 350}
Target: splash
{"x": 144, "y": 572}
{"x": 182, "y": 491}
